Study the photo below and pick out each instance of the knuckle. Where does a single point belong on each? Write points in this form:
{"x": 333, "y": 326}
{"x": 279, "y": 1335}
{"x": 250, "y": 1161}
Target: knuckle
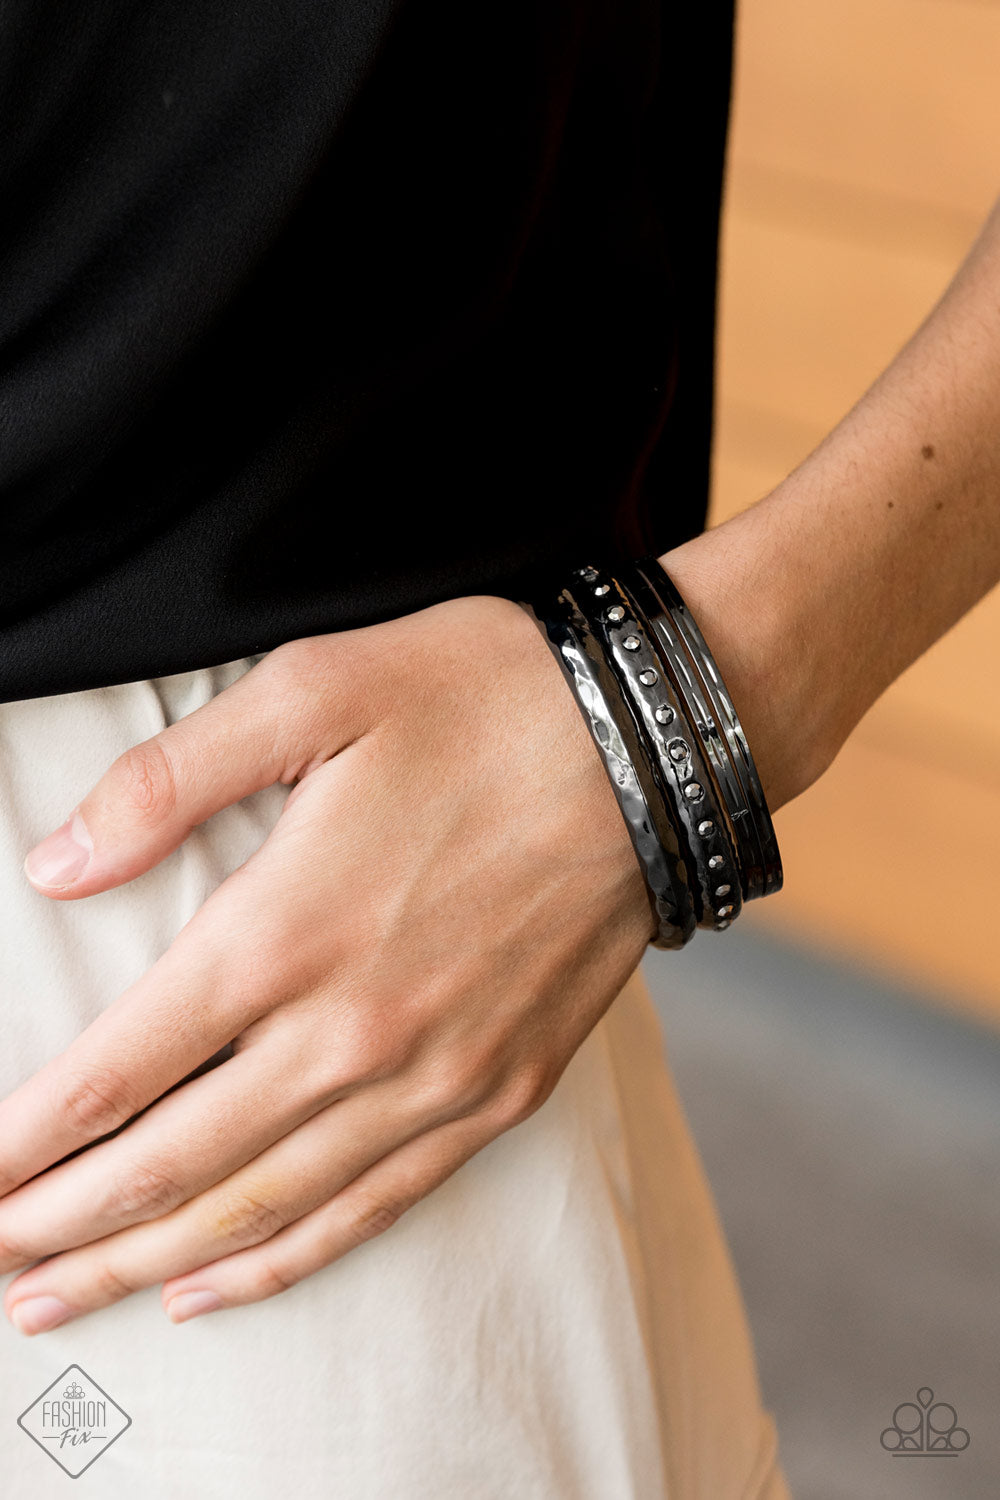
{"x": 112, "y": 1285}
{"x": 145, "y": 1191}
{"x": 375, "y": 1061}
{"x": 457, "y": 1086}
{"x": 305, "y": 662}
{"x": 244, "y": 1219}
{"x": 97, "y": 1102}
{"x": 14, "y": 1252}
{"x": 372, "y": 1216}
{"x": 471, "y": 1086}
{"x": 9, "y": 1180}
{"x": 146, "y": 780}
{"x": 361, "y": 1055}
{"x": 270, "y": 1278}
{"x": 381, "y": 1051}
{"x": 355, "y": 1059}
{"x": 335, "y": 1078}
{"x": 304, "y": 654}
{"x": 522, "y": 1095}
{"x": 329, "y": 667}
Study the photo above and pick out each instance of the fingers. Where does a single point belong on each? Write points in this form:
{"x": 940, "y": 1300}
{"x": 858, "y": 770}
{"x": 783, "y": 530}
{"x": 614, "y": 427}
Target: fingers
{"x": 327, "y": 1162}
{"x": 208, "y": 987}
{"x": 247, "y": 950}
{"x": 295, "y": 709}
{"x": 367, "y": 1207}
{"x": 196, "y": 1136}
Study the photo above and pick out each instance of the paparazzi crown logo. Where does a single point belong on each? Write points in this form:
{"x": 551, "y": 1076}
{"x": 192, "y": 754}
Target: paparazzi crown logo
{"x": 74, "y": 1421}
{"x": 925, "y": 1429}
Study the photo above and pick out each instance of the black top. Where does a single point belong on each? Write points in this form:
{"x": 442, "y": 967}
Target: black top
{"x": 315, "y": 312}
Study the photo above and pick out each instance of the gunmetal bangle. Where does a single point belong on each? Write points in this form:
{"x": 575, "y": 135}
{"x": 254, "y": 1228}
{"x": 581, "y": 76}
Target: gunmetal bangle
{"x": 684, "y": 774}
{"x": 627, "y": 761}
{"x": 705, "y": 719}
{"x": 759, "y": 813}
{"x": 670, "y": 739}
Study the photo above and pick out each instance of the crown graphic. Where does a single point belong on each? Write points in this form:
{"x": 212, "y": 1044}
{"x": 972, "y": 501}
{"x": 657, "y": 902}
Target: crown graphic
{"x": 924, "y": 1429}
{"x": 74, "y": 1392}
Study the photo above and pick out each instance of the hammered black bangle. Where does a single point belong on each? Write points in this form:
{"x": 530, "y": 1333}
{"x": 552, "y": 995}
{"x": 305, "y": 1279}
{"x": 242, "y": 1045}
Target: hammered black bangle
{"x": 627, "y": 759}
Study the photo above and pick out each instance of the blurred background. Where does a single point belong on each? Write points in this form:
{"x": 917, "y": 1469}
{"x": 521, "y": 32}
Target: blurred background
{"x": 839, "y": 1051}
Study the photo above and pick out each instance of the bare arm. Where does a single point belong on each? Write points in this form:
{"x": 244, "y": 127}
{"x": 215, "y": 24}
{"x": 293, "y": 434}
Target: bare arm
{"x": 819, "y": 595}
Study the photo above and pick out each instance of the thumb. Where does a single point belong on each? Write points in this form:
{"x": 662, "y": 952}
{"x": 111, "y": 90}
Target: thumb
{"x": 244, "y": 739}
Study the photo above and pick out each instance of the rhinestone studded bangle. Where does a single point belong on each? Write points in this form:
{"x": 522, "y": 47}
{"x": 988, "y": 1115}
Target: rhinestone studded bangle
{"x": 683, "y": 673}
{"x": 671, "y": 742}
{"x": 683, "y": 770}
{"x": 757, "y": 811}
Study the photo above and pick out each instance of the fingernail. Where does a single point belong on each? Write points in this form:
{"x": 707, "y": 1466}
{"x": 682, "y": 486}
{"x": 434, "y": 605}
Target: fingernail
{"x": 38, "y": 1314}
{"x": 61, "y": 858}
{"x": 189, "y": 1304}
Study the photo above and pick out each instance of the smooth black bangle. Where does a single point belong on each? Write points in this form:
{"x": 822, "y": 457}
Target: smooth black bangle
{"x": 627, "y": 759}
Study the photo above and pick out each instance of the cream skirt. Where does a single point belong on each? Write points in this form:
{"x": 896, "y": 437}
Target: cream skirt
{"x": 558, "y": 1321}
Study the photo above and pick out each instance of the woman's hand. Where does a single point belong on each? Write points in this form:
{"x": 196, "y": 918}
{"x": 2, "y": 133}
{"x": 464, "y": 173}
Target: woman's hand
{"x": 446, "y": 906}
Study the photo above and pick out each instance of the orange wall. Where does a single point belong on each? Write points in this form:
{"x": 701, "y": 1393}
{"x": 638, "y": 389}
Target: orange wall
{"x": 865, "y": 154}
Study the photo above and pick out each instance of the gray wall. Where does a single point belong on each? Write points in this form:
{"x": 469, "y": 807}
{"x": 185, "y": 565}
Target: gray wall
{"x": 852, "y": 1136}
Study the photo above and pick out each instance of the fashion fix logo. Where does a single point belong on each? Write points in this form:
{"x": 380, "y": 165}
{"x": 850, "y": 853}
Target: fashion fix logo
{"x": 74, "y": 1421}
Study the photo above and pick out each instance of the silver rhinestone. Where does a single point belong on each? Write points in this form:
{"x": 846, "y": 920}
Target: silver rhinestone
{"x": 631, "y": 643}
{"x": 603, "y": 588}
{"x": 722, "y": 890}
{"x": 694, "y": 791}
{"x": 588, "y": 575}
{"x": 705, "y": 828}
{"x": 721, "y": 926}
{"x": 677, "y": 750}
{"x": 616, "y": 613}
{"x": 648, "y": 677}
{"x": 664, "y": 715}
{"x": 724, "y": 911}
{"x": 717, "y": 861}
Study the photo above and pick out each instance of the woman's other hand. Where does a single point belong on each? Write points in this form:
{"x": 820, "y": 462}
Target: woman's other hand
{"x": 445, "y": 907}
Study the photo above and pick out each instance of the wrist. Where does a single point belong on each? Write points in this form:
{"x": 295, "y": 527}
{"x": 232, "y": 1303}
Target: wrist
{"x": 756, "y": 628}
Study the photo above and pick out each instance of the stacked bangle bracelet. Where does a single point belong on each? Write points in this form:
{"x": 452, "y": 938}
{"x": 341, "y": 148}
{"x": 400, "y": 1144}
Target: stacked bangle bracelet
{"x": 670, "y": 739}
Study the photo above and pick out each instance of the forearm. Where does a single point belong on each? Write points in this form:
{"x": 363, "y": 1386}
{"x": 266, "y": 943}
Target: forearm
{"x": 818, "y": 596}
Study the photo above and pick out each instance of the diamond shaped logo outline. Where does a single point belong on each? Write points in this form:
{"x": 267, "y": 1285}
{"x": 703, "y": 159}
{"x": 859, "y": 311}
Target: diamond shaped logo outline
{"x": 70, "y": 1370}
